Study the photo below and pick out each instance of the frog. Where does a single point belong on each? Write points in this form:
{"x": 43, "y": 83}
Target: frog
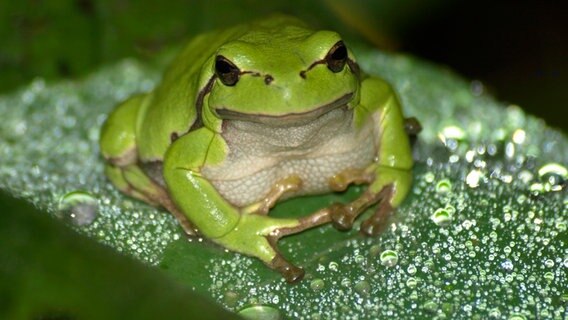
{"x": 248, "y": 116}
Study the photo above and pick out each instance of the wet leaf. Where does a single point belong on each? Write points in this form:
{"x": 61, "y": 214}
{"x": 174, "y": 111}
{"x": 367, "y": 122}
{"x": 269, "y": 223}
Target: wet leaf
{"x": 483, "y": 233}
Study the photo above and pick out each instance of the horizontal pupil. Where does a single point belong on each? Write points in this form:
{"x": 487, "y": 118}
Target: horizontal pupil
{"x": 339, "y": 53}
{"x": 223, "y": 67}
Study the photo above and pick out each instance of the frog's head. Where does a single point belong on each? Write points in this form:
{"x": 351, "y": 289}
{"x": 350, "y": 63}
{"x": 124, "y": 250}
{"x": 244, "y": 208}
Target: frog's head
{"x": 278, "y": 76}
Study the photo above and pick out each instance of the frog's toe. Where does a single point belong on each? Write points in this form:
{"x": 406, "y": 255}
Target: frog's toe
{"x": 341, "y": 217}
{"x": 289, "y": 271}
{"x": 378, "y": 221}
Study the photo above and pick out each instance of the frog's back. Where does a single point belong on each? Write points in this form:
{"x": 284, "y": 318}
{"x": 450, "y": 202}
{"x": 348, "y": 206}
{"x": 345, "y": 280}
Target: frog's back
{"x": 171, "y": 111}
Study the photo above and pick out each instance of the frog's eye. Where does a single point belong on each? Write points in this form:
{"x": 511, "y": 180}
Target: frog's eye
{"x": 336, "y": 57}
{"x": 227, "y": 72}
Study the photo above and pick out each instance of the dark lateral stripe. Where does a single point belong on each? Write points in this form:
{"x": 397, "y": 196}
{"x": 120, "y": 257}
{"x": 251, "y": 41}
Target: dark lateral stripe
{"x": 198, "y": 123}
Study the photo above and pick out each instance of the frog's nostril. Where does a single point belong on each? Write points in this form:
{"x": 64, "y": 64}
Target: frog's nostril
{"x": 268, "y": 79}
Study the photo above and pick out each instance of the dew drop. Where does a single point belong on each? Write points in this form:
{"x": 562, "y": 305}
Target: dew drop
{"x": 517, "y": 316}
{"x": 494, "y": 313}
{"x": 507, "y": 265}
{"x": 317, "y": 284}
{"x": 411, "y": 282}
{"x": 260, "y": 313}
{"x": 553, "y": 168}
{"x": 389, "y": 258}
{"x": 472, "y": 178}
{"x": 411, "y": 269}
{"x": 363, "y": 288}
{"x": 430, "y": 306}
{"x": 549, "y": 276}
{"x": 346, "y": 282}
{"x": 549, "y": 263}
{"x": 444, "y": 186}
{"x": 452, "y": 132}
{"x": 441, "y": 217}
{"x": 519, "y": 136}
{"x": 230, "y": 298}
{"x": 429, "y": 177}
{"x": 78, "y": 207}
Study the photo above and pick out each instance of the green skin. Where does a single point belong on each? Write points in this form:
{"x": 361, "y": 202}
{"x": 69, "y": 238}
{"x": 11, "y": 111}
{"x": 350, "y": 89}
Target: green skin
{"x": 283, "y": 74}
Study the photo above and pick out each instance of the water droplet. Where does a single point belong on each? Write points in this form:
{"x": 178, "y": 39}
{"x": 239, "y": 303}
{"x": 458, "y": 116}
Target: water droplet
{"x": 374, "y": 250}
{"x": 411, "y": 282}
{"x": 441, "y": 217}
{"x": 346, "y": 282}
{"x": 549, "y": 276}
{"x": 430, "y": 306}
{"x": 452, "y": 132}
{"x": 472, "y": 178}
{"x": 363, "y": 288}
{"x": 549, "y": 263}
{"x": 317, "y": 284}
{"x": 333, "y": 266}
{"x": 507, "y": 265}
{"x": 411, "y": 269}
{"x": 429, "y": 177}
{"x": 517, "y": 316}
{"x": 519, "y": 136}
{"x": 553, "y": 168}
{"x": 494, "y": 313}
{"x": 389, "y": 258}
{"x": 230, "y": 298}
{"x": 78, "y": 207}
{"x": 444, "y": 186}
{"x": 510, "y": 150}
{"x": 536, "y": 188}
{"x": 525, "y": 176}
{"x": 260, "y": 313}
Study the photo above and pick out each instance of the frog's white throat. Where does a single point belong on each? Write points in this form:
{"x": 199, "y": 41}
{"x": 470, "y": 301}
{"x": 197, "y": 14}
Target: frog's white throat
{"x": 289, "y": 135}
{"x": 260, "y": 154}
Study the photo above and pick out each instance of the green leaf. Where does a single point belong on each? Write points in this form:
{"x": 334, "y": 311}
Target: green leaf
{"x": 49, "y": 271}
{"x": 483, "y": 233}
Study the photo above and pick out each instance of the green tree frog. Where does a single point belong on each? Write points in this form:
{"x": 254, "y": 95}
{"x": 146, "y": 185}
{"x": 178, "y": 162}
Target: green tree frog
{"x": 250, "y": 115}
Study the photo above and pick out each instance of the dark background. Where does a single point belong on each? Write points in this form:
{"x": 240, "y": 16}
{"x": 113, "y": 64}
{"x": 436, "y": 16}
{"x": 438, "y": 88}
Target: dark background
{"x": 517, "y": 49}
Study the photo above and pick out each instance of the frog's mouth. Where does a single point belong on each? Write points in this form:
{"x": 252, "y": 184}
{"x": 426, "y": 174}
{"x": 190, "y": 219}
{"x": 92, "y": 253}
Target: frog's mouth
{"x": 291, "y": 118}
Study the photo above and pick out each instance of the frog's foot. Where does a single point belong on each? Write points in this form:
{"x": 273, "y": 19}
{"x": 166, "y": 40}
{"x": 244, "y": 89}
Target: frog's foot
{"x": 289, "y": 272}
{"x": 343, "y": 215}
{"x": 388, "y": 189}
{"x": 257, "y": 235}
{"x": 134, "y": 182}
{"x": 376, "y": 223}
{"x": 286, "y": 185}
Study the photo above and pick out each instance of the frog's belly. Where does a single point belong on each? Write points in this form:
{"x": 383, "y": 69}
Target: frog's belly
{"x": 257, "y": 159}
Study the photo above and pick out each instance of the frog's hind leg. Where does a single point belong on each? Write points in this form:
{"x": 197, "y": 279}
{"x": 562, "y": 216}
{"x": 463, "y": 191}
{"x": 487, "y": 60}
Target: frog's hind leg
{"x": 132, "y": 181}
{"x": 114, "y": 174}
{"x": 118, "y": 146}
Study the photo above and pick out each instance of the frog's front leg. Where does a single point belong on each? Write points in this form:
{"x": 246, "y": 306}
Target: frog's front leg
{"x": 390, "y": 175}
{"x": 218, "y": 220}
